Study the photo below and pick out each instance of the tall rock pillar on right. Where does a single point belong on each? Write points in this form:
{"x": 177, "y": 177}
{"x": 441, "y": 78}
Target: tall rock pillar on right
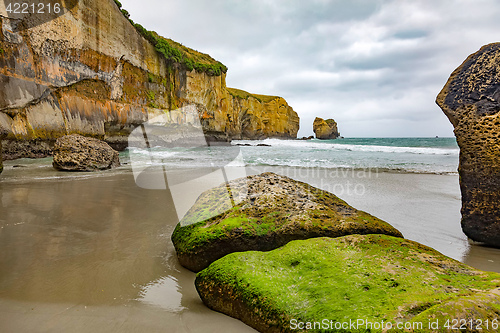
{"x": 471, "y": 101}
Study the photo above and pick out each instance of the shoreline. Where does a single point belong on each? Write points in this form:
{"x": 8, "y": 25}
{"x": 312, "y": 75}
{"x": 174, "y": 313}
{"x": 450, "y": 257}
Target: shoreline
{"x": 445, "y": 194}
{"x": 30, "y": 163}
{"x": 94, "y": 249}
{"x": 95, "y": 254}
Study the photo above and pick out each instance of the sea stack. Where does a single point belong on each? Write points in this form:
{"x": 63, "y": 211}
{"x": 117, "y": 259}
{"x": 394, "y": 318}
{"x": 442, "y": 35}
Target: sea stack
{"x": 471, "y": 101}
{"x": 325, "y": 129}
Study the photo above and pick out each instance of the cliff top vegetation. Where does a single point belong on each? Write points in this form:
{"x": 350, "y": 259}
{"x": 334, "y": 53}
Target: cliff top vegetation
{"x": 176, "y": 52}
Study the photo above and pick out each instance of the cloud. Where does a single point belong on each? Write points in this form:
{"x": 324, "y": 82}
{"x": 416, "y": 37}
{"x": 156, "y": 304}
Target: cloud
{"x": 374, "y": 66}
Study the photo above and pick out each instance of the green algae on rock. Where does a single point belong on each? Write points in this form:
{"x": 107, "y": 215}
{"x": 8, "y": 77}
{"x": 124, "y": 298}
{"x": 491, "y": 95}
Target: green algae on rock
{"x": 370, "y": 277}
{"x": 269, "y": 211}
{"x": 93, "y": 73}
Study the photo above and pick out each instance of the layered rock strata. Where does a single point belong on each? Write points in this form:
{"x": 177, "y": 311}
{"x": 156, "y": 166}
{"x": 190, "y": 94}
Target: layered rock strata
{"x": 471, "y": 101}
{"x": 2, "y": 133}
{"x": 1, "y": 157}
{"x": 325, "y": 129}
{"x": 264, "y": 212}
{"x": 92, "y": 73}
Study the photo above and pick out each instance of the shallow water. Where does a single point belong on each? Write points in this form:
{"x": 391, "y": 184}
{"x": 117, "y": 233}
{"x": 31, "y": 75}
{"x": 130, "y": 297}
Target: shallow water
{"x": 92, "y": 252}
{"x": 416, "y": 155}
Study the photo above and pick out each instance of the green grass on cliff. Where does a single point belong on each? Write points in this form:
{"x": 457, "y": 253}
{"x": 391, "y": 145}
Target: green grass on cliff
{"x": 242, "y": 94}
{"x": 373, "y": 277}
{"x": 178, "y": 53}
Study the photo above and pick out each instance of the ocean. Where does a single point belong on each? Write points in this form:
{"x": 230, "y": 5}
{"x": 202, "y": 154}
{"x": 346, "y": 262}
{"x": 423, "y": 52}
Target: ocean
{"x": 415, "y": 155}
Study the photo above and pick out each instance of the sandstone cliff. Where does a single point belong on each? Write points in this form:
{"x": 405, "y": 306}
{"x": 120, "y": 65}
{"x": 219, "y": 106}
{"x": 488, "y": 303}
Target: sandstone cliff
{"x": 325, "y": 129}
{"x": 471, "y": 101}
{"x": 91, "y": 72}
{"x": 1, "y": 157}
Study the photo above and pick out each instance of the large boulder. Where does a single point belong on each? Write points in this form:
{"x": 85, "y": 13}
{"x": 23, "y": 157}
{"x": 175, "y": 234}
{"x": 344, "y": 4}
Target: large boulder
{"x": 325, "y": 129}
{"x": 266, "y": 212}
{"x": 471, "y": 101}
{"x": 78, "y": 153}
{"x": 357, "y": 283}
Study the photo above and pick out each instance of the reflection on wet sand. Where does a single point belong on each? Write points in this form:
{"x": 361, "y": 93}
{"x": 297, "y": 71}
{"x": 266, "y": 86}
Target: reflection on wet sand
{"x": 95, "y": 253}
{"x": 89, "y": 243}
{"x": 483, "y": 257}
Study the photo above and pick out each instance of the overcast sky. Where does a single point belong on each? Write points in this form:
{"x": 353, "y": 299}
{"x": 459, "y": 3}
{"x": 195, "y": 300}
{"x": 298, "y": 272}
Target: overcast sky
{"x": 374, "y": 66}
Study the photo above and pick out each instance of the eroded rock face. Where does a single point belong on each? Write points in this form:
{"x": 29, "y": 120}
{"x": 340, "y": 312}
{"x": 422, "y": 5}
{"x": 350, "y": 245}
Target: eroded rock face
{"x": 95, "y": 75}
{"x": 1, "y": 158}
{"x": 2, "y": 133}
{"x": 471, "y": 101}
{"x": 265, "y": 212}
{"x": 78, "y": 153}
{"x": 325, "y": 129}
{"x": 369, "y": 277}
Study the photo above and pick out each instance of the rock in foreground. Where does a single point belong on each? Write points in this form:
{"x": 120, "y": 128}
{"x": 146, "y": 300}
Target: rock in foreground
{"x": 325, "y": 129}
{"x": 373, "y": 278}
{"x": 471, "y": 101}
{"x": 78, "y": 153}
{"x": 272, "y": 211}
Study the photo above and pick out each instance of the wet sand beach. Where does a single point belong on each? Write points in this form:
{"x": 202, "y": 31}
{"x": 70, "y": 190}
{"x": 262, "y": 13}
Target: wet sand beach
{"x": 92, "y": 253}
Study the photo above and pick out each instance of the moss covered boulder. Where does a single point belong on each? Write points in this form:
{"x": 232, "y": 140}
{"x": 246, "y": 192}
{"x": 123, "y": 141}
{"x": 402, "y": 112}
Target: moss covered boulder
{"x": 324, "y": 283}
{"x": 266, "y": 212}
